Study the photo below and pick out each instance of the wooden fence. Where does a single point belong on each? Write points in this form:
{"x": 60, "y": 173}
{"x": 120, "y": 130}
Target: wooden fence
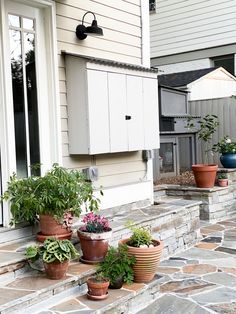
{"x": 225, "y": 109}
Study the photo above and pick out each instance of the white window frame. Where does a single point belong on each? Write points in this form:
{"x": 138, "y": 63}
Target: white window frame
{"x": 48, "y": 92}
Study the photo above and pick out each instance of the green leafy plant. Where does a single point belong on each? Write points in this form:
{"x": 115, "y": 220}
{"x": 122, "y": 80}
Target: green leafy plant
{"x": 140, "y": 236}
{"x": 56, "y": 193}
{"x": 222, "y": 176}
{"x": 117, "y": 264}
{"x": 225, "y": 145}
{"x": 207, "y": 127}
{"x": 52, "y": 250}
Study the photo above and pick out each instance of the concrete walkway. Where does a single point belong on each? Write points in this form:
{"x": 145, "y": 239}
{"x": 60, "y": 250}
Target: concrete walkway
{"x": 202, "y": 279}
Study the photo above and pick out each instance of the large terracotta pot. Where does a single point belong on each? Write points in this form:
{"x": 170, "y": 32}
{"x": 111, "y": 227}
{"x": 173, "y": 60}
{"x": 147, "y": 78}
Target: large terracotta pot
{"x": 147, "y": 260}
{"x": 228, "y": 160}
{"x": 56, "y": 270}
{"x": 51, "y": 228}
{"x": 97, "y": 290}
{"x": 94, "y": 246}
{"x": 205, "y": 175}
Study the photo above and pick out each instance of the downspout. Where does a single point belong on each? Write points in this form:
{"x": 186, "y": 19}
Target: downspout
{"x": 145, "y": 50}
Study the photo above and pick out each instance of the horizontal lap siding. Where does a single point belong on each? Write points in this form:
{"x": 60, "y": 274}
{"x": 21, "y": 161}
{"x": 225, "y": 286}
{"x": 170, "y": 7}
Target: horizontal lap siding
{"x": 121, "y": 24}
{"x": 181, "y": 26}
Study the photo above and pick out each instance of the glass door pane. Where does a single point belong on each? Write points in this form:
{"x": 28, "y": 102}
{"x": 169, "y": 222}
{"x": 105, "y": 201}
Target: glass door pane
{"x": 24, "y": 88}
{"x": 167, "y": 157}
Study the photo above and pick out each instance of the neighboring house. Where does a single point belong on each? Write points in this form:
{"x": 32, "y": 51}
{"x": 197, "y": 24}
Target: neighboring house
{"x": 88, "y": 104}
{"x": 193, "y": 34}
{"x": 200, "y": 84}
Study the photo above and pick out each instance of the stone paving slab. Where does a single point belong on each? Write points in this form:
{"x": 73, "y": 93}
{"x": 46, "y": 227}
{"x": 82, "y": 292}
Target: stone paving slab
{"x": 201, "y": 279}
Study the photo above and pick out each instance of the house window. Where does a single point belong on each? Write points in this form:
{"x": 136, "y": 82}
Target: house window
{"x": 152, "y": 5}
{"x": 24, "y": 90}
{"x": 227, "y": 62}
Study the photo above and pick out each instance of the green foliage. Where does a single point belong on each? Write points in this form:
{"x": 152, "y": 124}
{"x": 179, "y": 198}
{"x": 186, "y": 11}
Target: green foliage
{"x": 117, "y": 263}
{"x": 225, "y": 145}
{"x": 55, "y": 193}
{"x": 207, "y": 127}
{"x": 52, "y": 250}
{"x": 140, "y": 236}
{"x": 222, "y": 175}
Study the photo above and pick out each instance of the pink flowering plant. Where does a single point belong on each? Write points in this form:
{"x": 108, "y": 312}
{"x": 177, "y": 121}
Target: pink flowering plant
{"x": 94, "y": 223}
{"x": 225, "y": 146}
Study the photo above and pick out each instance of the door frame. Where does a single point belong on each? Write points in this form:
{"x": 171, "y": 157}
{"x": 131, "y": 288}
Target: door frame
{"x": 170, "y": 139}
{"x": 49, "y": 129}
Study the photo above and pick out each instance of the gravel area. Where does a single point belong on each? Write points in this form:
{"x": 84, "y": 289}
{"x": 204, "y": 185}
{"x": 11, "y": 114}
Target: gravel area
{"x": 186, "y": 178}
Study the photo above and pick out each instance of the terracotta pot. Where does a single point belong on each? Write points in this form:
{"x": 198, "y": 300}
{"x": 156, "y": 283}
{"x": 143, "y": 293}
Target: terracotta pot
{"x": 51, "y": 228}
{"x": 94, "y": 246}
{"x": 56, "y": 270}
{"x": 204, "y": 175}
{"x": 147, "y": 260}
{"x": 97, "y": 290}
{"x": 223, "y": 182}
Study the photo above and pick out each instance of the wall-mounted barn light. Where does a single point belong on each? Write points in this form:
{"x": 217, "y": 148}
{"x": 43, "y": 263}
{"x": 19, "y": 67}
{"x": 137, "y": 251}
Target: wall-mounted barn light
{"x": 82, "y": 31}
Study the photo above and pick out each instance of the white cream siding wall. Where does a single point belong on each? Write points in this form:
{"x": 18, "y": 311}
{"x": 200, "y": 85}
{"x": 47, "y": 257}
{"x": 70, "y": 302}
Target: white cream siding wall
{"x": 181, "y": 26}
{"x": 121, "y": 23}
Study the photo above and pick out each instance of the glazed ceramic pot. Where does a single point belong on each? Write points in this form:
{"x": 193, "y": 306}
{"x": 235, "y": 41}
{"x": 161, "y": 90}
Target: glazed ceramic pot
{"x": 147, "y": 260}
{"x": 94, "y": 246}
{"x": 56, "y": 270}
{"x": 204, "y": 175}
{"x": 228, "y": 160}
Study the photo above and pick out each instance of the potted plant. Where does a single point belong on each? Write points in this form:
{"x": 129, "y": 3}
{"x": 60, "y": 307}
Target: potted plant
{"x": 55, "y": 255}
{"x": 146, "y": 250}
{"x": 205, "y": 174}
{"x": 222, "y": 179}
{"x": 97, "y": 287}
{"x": 94, "y": 238}
{"x": 227, "y": 148}
{"x": 53, "y": 199}
{"x": 117, "y": 266}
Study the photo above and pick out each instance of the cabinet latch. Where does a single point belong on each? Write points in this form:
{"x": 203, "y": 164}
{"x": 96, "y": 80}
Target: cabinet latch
{"x": 127, "y": 117}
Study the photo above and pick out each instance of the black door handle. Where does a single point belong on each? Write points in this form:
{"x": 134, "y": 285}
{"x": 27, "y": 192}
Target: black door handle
{"x": 127, "y": 117}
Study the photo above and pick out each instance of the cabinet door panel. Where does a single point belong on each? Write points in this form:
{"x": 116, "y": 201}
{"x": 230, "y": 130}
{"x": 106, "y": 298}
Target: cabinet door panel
{"x": 150, "y": 114}
{"x": 98, "y": 112}
{"x": 117, "y": 111}
{"x": 135, "y": 110}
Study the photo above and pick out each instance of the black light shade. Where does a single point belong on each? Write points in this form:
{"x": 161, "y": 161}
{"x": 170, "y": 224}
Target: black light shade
{"x": 82, "y": 31}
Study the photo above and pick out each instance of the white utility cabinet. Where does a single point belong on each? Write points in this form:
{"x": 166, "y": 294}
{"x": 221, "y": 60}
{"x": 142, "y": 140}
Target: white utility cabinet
{"x": 110, "y": 109}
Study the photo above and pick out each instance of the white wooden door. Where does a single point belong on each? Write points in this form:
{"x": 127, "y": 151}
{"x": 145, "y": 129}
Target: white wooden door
{"x": 135, "y": 112}
{"x": 117, "y": 112}
{"x": 98, "y": 113}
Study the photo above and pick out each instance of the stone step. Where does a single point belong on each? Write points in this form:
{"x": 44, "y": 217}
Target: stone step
{"x": 175, "y": 221}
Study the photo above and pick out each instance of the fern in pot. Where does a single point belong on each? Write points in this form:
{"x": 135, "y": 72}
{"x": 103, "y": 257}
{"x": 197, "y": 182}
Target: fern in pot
{"x": 117, "y": 266}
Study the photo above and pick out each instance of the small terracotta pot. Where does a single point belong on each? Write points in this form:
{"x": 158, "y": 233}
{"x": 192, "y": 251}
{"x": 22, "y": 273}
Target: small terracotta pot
{"x": 51, "y": 228}
{"x": 147, "y": 260}
{"x": 223, "y": 182}
{"x": 97, "y": 290}
{"x": 204, "y": 175}
{"x": 56, "y": 270}
{"x": 94, "y": 246}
